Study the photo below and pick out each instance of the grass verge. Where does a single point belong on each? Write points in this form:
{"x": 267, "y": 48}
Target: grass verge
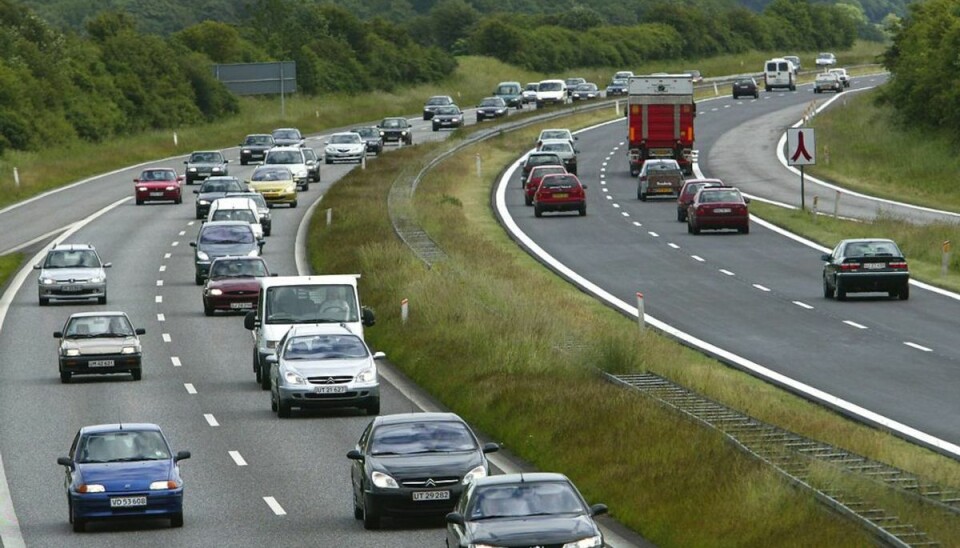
{"x": 9, "y": 264}
{"x": 508, "y": 345}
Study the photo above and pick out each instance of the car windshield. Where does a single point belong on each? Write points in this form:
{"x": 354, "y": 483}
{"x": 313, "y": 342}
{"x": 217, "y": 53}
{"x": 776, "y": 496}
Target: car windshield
{"x": 720, "y": 196}
{"x": 619, "y": 82}
{"x": 289, "y": 304}
{"x": 237, "y": 234}
{"x": 122, "y": 446}
{"x": 532, "y": 87}
{"x": 286, "y": 134}
{"x": 284, "y": 157}
{"x": 392, "y": 123}
{"x": 158, "y": 175}
{"x": 587, "y": 87}
{"x": 550, "y": 86}
{"x": 65, "y": 258}
{"x": 345, "y": 139}
{"x": 524, "y": 499}
{"x": 325, "y": 347}
{"x": 508, "y": 90}
{"x": 541, "y": 159}
{"x": 452, "y": 111}
{"x": 86, "y": 327}
{"x": 238, "y": 268}
{"x": 259, "y": 140}
{"x": 234, "y": 215}
{"x": 434, "y": 101}
{"x": 231, "y": 185}
{"x": 206, "y": 158}
{"x": 421, "y": 437}
{"x": 872, "y": 249}
{"x": 563, "y": 147}
{"x": 491, "y": 102}
{"x": 272, "y": 174}
{"x": 554, "y": 134}
{"x": 367, "y": 132}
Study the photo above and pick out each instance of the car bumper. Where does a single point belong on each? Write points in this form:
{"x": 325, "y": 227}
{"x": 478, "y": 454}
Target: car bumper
{"x": 157, "y": 195}
{"x": 399, "y": 502}
{"x": 74, "y": 292}
{"x": 374, "y": 146}
{"x": 202, "y": 268}
{"x": 252, "y": 155}
{"x": 440, "y": 122}
{"x": 202, "y": 210}
{"x": 560, "y": 206}
{"x": 232, "y": 302}
{"x": 96, "y": 506}
{"x": 387, "y": 137}
{"x": 279, "y": 197}
{"x": 344, "y": 156}
{"x": 863, "y": 282}
{"x": 305, "y": 397}
{"x": 721, "y": 221}
{"x": 662, "y": 191}
{"x": 84, "y": 365}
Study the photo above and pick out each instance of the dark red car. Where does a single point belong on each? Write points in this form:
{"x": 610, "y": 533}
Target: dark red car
{"x": 233, "y": 284}
{"x": 560, "y": 193}
{"x": 533, "y": 180}
{"x": 158, "y": 184}
{"x": 715, "y": 208}
{"x": 689, "y": 190}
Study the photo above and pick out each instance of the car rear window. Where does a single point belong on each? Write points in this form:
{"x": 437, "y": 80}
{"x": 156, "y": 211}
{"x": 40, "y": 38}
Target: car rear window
{"x": 720, "y": 196}
{"x": 560, "y": 181}
{"x": 238, "y": 234}
{"x": 541, "y": 159}
{"x": 550, "y": 86}
{"x": 872, "y": 249}
{"x": 325, "y": 347}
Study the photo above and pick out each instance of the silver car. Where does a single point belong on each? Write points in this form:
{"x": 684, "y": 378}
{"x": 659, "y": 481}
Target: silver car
{"x": 99, "y": 343}
{"x": 323, "y": 366}
{"x": 345, "y": 146}
{"x": 72, "y": 272}
{"x": 563, "y": 149}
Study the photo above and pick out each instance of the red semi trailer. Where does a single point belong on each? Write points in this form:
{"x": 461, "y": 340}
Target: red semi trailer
{"x": 660, "y": 113}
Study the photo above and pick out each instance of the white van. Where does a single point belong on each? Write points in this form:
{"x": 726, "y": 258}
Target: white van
{"x": 235, "y": 208}
{"x": 551, "y": 92}
{"x": 302, "y": 300}
{"x": 779, "y": 73}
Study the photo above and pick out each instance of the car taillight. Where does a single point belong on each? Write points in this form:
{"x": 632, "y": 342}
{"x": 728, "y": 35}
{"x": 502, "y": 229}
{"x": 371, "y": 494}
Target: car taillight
{"x": 899, "y": 265}
{"x": 848, "y": 267}
{"x": 701, "y": 209}
{"x": 742, "y": 209}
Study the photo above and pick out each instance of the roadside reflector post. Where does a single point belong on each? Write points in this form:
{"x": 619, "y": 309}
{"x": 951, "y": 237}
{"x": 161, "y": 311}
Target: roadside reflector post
{"x": 836, "y": 206}
{"x": 616, "y": 107}
{"x": 816, "y": 205}
{"x": 176, "y": 140}
{"x": 479, "y": 167}
{"x": 945, "y": 257}
{"x": 641, "y": 321}
{"x": 716, "y": 91}
{"x": 363, "y": 159}
{"x": 404, "y": 310}
{"x": 16, "y": 177}
{"x": 316, "y": 113}
{"x": 826, "y": 154}
{"x": 329, "y": 215}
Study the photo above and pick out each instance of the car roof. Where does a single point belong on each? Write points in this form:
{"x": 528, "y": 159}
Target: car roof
{"x": 95, "y": 314}
{"x": 526, "y": 477}
{"x": 232, "y": 201}
{"x": 225, "y": 223}
{"x": 287, "y": 129}
{"x": 329, "y": 279}
{"x": 857, "y": 240}
{"x": 553, "y": 80}
{"x": 205, "y": 152}
{"x": 404, "y": 418}
{"x": 705, "y": 180}
{"x": 285, "y": 148}
{"x": 117, "y": 427}
{"x": 259, "y": 135}
{"x": 542, "y": 131}
{"x": 71, "y": 247}
{"x": 556, "y": 142}
{"x": 239, "y": 258}
{"x": 344, "y": 133}
{"x": 321, "y": 329}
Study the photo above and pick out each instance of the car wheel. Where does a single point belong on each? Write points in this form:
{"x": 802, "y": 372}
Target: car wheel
{"x": 839, "y": 293}
{"x": 198, "y": 279}
{"x": 293, "y": 204}
{"x": 283, "y": 410}
{"x": 273, "y": 400}
{"x": 827, "y": 290}
{"x": 537, "y": 212}
{"x": 102, "y": 300}
{"x": 435, "y": 128}
{"x": 306, "y": 187}
{"x": 79, "y": 525}
{"x": 634, "y": 171}
{"x": 642, "y": 195}
{"x": 139, "y": 202}
{"x": 745, "y": 229}
{"x": 137, "y": 374}
{"x": 265, "y": 380}
{"x": 583, "y": 211}
{"x": 371, "y": 520}
{"x": 207, "y": 310}
{"x": 199, "y": 215}
{"x": 44, "y": 301}
{"x": 527, "y": 200}
{"x": 176, "y": 520}
{"x": 64, "y": 377}
{"x": 905, "y": 291}
{"x": 327, "y": 161}
{"x": 680, "y": 216}
{"x": 243, "y": 162}
{"x": 374, "y": 408}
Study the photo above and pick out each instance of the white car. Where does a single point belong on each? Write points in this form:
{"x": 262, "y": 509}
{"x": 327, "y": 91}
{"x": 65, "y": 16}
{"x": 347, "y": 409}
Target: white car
{"x": 234, "y": 208}
{"x": 842, "y": 75}
{"x": 826, "y": 59}
{"x": 555, "y": 133}
{"x": 346, "y": 146}
{"x": 292, "y": 158}
{"x": 552, "y": 92}
{"x": 529, "y": 92}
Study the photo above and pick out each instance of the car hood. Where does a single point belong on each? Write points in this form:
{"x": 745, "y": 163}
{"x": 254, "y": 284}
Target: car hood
{"x": 161, "y": 185}
{"x": 257, "y": 147}
{"x": 287, "y": 142}
{"x": 270, "y": 186}
{"x": 222, "y": 250}
{"x": 205, "y": 165}
{"x": 126, "y": 476}
{"x": 328, "y": 368}
{"x": 435, "y": 465}
{"x": 100, "y": 345}
{"x": 448, "y": 116}
{"x": 66, "y": 274}
{"x": 531, "y": 531}
{"x": 235, "y": 284}
{"x": 346, "y": 147}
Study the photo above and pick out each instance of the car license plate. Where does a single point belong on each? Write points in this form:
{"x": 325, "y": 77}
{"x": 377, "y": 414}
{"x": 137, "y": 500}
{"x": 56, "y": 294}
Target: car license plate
{"x": 155, "y": 194}
{"x": 431, "y": 495}
{"x": 722, "y": 210}
{"x": 874, "y": 266}
{"x": 127, "y": 502}
{"x": 329, "y": 389}
{"x": 241, "y": 305}
{"x": 561, "y": 195}
{"x": 100, "y": 363}
{"x": 70, "y": 288}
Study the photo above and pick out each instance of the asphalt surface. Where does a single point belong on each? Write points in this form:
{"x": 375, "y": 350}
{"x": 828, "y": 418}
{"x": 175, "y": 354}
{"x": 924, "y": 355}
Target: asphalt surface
{"x": 758, "y": 295}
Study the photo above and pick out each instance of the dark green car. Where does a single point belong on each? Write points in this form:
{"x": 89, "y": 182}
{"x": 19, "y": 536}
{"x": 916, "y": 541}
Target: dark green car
{"x": 511, "y": 93}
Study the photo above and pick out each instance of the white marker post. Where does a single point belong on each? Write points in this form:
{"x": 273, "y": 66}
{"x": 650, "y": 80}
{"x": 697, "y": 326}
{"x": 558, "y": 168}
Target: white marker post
{"x": 716, "y": 91}
{"x": 836, "y": 206}
{"x": 816, "y": 204}
{"x": 479, "y": 167}
{"x": 16, "y": 177}
{"x": 176, "y": 140}
{"x": 404, "y": 311}
{"x": 945, "y": 258}
{"x": 363, "y": 159}
{"x": 329, "y": 215}
{"x": 641, "y": 321}
{"x": 616, "y": 107}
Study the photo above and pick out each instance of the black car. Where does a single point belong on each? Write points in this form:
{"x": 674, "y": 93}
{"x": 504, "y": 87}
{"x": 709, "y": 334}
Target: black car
{"x": 491, "y": 107}
{"x": 430, "y": 107}
{"x": 538, "y": 509}
{"x": 617, "y": 88}
{"x": 313, "y": 164}
{"x": 865, "y": 265}
{"x": 585, "y": 92}
{"x": 213, "y": 188}
{"x": 572, "y": 84}
{"x": 396, "y": 129}
{"x": 745, "y": 87}
{"x": 447, "y": 117}
{"x": 221, "y": 239}
{"x": 414, "y": 464}
{"x": 288, "y": 137}
{"x": 370, "y": 135}
{"x": 205, "y": 163}
{"x": 255, "y": 147}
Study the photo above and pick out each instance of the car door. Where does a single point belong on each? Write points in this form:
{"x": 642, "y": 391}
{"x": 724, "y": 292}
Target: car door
{"x": 68, "y": 470}
{"x": 457, "y": 534}
{"x": 358, "y": 471}
{"x": 830, "y": 267}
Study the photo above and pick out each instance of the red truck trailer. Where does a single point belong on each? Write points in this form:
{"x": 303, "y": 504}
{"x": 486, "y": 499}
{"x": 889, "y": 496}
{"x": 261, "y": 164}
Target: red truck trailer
{"x": 660, "y": 113}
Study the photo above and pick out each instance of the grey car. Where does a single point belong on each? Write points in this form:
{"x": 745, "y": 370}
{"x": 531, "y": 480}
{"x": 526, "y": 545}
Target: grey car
{"x": 99, "y": 343}
{"x": 288, "y": 137}
{"x": 220, "y": 239}
{"x": 213, "y": 188}
{"x": 72, "y": 272}
{"x": 205, "y": 163}
{"x": 313, "y": 164}
{"x": 370, "y": 135}
{"x": 323, "y": 366}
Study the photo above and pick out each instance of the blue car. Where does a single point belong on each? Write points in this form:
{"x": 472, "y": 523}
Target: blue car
{"x": 123, "y": 471}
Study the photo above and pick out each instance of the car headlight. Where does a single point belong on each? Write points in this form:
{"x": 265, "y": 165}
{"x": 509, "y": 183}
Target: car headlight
{"x": 71, "y": 352}
{"x": 203, "y": 202}
{"x": 192, "y": 169}
{"x": 215, "y": 292}
{"x": 245, "y": 151}
{"x": 162, "y": 485}
{"x": 254, "y": 253}
{"x": 591, "y": 542}
{"x": 90, "y": 488}
{"x": 202, "y": 255}
{"x": 129, "y": 350}
{"x": 141, "y": 189}
{"x": 476, "y": 473}
{"x": 292, "y": 377}
{"x": 171, "y": 188}
{"x": 381, "y": 134}
{"x": 218, "y": 168}
{"x": 271, "y": 345}
{"x": 403, "y": 132}
{"x": 383, "y": 481}
{"x": 455, "y": 120}
{"x": 47, "y": 281}
{"x": 367, "y": 375}
{"x": 96, "y": 280}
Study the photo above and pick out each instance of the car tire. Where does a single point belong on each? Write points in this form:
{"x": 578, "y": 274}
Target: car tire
{"x": 79, "y": 525}
{"x": 373, "y": 408}
{"x": 745, "y": 229}
{"x": 284, "y": 411}
{"x": 827, "y": 290}
{"x": 905, "y": 291}
{"x": 371, "y": 520}
{"x": 176, "y": 520}
{"x": 65, "y": 377}
{"x": 137, "y": 374}
{"x": 537, "y": 212}
{"x": 265, "y": 383}
{"x": 583, "y": 211}
{"x": 642, "y": 196}
{"x": 527, "y": 200}
{"x": 207, "y": 310}
{"x": 839, "y": 293}
{"x": 198, "y": 279}
{"x": 139, "y": 202}
{"x": 306, "y": 187}
{"x": 243, "y": 162}
{"x": 44, "y": 301}
{"x": 179, "y": 199}
{"x": 436, "y": 128}
{"x": 102, "y": 300}
{"x": 634, "y": 171}
{"x": 327, "y": 161}
{"x": 293, "y": 204}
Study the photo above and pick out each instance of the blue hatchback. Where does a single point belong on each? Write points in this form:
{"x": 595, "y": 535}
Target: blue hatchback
{"x": 123, "y": 471}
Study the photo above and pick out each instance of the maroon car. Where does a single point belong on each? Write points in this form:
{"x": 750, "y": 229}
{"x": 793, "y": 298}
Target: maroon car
{"x": 560, "y": 193}
{"x": 715, "y": 208}
{"x": 533, "y": 180}
{"x": 689, "y": 190}
{"x": 233, "y": 284}
{"x": 158, "y": 184}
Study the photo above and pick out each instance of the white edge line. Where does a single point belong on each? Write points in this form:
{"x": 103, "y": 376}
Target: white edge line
{"x": 275, "y": 506}
{"x": 299, "y": 244}
{"x": 10, "y": 534}
{"x": 918, "y": 347}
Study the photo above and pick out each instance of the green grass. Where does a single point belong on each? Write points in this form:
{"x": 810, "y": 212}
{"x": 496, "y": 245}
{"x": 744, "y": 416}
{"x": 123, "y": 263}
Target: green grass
{"x": 9, "y": 264}
{"x": 508, "y": 345}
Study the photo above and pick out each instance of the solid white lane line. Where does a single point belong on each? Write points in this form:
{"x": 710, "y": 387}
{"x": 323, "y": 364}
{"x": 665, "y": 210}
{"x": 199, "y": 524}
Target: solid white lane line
{"x": 163, "y": 268}
{"x": 275, "y": 506}
{"x": 624, "y": 213}
{"x": 175, "y": 244}
{"x": 854, "y": 324}
{"x": 235, "y": 455}
{"x": 698, "y": 258}
{"x": 761, "y": 288}
{"x": 166, "y": 255}
{"x": 211, "y": 420}
{"x": 673, "y": 245}
{"x": 652, "y": 233}
{"x": 166, "y": 337}
{"x": 918, "y": 347}
{"x": 175, "y": 361}
{"x": 158, "y": 299}
{"x": 727, "y": 272}
{"x": 159, "y": 283}
{"x": 803, "y": 305}
{"x": 190, "y": 388}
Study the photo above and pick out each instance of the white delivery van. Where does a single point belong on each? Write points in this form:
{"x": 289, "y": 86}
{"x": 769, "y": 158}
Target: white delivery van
{"x": 551, "y": 92}
{"x": 234, "y": 208}
{"x": 302, "y": 300}
{"x": 779, "y": 73}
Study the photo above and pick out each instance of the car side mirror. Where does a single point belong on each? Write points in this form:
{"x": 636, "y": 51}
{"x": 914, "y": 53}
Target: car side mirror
{"x": 186, "y": 161}
{"x": 65, "y": 461}
{"x": 181, "y": 455}
{"x": 226, "y": 161}
{"x": 140, "y": 331}
{"x": 746, "y": 200}
{"x": 272, "y": 358}
{"x": 576, "y": 151}
{"x": 353, "y": 454}
{"x": 368, "y": 318}
{"x": 107, "y": 265}
{"x": 260, "y": 245}
{"x": 58, "y": 334}
{"x": 584, "y": 186}
{"x": 598, "y": 509}
{"x": 491, "y": 447}
{"x": 136, "y": 180}
{"x": 455, "y": 518}
{"x": 379, "y": 356}
{"x": 196, "y": 191}
{"x": 825, "y": 257}
{"x": 250, "y": 321}
{"x": 38, "y": 266}
{"x": 193, "y": 244}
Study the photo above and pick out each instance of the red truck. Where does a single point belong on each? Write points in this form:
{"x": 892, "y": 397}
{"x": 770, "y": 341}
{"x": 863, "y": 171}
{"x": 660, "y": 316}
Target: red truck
{"x": 660, "y": 113}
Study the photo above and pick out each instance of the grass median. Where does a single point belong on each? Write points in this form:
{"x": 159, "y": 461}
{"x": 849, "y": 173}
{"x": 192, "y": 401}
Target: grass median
{"x": 505, "y": 343}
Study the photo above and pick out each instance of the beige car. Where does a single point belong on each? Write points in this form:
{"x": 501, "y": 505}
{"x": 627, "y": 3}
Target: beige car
{"x": 275, "y": 183}
{"x": 99, "y": 343}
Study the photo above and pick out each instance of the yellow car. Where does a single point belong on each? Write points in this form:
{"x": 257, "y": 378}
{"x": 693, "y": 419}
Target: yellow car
{"x": 276, "y": 184}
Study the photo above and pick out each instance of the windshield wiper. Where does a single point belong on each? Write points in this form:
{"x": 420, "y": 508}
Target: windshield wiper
{"x": 82, "y": 336}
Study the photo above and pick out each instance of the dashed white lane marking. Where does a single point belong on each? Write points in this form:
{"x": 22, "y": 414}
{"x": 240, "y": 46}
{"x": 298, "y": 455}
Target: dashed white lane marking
{"x": 182, "y": 232}
{"x": 727, "y": 272}
{"x": 609, "y": 197}
{"x": 854, "y": 324}
{"x": 190, "y": 388}
{"x": 211, "y": 420}
{"x": 637, "y": 223}
{"x": 616, "y": 206}
{"x": 761, "y": 288}
{"x": 175, "y": 244}
{"x": 673, "y": 245}
{"x": 159, "y": 283}
{"x": 163, "y": 268}
{"x": 654, "y": 234}
{"x": 175, "y": 361}
{"x": 602, "y": 169}
{"x": 158, "y": 299}
{"x": 275, "y": 506}
{"x": 624, "y": 213}
{"x": 604, "y": 164}
{"x": 698, "y": 258}
{"x": 918, "y": 347}
{"x": 166, "y": 255}
{"x": 803, "y": 305}
{"x": 161, "y": 318}
{"x": 235, "y": 455}
{"x": 190, "y": 223}
{"x": 166, "y": 337}
{"x": 604, "y": 189}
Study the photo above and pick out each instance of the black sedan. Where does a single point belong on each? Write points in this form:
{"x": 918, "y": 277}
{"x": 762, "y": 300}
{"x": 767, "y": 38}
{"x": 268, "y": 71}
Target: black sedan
{"x": 539, "y": 509}
{"x": 414, "y": 464}
{"x": 865, "y": 265}
{"x": 371, "y": 136}
{"x": 491, "y": 107}
{"x": 213, "y": 188}
{"x": 255, "y": 147}
{"x": 447, "y": 117}
{"x": 396, "y": 129}
{"x": 745, "y": 87}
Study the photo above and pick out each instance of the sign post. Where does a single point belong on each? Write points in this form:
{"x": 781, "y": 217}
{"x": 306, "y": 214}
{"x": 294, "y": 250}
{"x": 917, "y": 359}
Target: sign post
{"x": 801, "y": 151}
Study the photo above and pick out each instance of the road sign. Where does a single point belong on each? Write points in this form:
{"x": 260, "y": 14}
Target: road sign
{"x": 801, "y": 147}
